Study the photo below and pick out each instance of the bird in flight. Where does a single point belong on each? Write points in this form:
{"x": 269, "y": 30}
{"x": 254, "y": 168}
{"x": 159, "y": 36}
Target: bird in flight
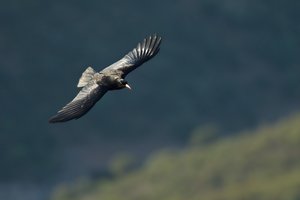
{"x": 95, "y": 84}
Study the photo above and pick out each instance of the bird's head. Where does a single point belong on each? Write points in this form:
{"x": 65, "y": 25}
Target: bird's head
{"x": 122, "y": 83}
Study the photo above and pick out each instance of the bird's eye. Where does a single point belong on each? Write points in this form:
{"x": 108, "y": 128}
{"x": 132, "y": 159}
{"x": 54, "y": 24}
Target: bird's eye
{"x": 123, "y": 82}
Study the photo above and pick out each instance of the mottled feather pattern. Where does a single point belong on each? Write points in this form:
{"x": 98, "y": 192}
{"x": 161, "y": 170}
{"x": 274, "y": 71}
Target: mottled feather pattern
{"x": 86, "y": 76}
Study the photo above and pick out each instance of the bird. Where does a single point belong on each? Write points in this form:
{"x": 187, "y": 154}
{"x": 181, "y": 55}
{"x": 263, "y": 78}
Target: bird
{"x": 94, "y": 85}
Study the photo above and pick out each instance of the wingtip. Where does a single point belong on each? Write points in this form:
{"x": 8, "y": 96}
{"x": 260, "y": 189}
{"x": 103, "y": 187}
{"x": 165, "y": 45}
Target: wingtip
{"x": 152, "y": 44}
{"x": 158, "y": 37}
{"x": 53, "y": 120}
{"x": 50, "y": 121}
{"x": 155, "y": 37}
{"x": 57, "y": 119}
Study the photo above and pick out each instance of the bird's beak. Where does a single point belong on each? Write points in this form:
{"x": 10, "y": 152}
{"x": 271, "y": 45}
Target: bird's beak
{"x": 128, "y": 86}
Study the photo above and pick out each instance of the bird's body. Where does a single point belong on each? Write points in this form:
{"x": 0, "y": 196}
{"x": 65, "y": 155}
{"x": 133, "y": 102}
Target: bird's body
{"x": 95, "y": 84}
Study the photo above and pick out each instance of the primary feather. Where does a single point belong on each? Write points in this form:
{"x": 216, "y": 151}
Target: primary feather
{"x": 133, "y": 59}
{"x": 81, "y": 104}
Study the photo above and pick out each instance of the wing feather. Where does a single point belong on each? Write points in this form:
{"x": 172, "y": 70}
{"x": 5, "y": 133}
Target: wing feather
{"x": 133, "y": 59}
{"x": 81, "y": 104}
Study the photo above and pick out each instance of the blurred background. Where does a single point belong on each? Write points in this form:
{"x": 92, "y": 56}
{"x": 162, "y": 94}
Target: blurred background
{"x": 213, "y": 116}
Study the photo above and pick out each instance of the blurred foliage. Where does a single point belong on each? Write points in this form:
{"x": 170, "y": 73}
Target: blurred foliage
{"x": 121, "y": 164}
{"x": 205, "y": 135}
{"x": 260, "y": 164}
{"x": 232, "y": 63}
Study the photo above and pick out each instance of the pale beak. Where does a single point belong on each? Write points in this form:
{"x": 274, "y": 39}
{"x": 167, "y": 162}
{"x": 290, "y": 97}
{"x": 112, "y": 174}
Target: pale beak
{"x": 128, "y": 86}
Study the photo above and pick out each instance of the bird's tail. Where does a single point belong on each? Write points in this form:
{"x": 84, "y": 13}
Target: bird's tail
{"x": 86, "y": 76}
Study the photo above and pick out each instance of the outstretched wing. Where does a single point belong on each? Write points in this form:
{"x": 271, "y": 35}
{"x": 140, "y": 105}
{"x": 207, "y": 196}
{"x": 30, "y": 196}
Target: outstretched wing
{"x": 142, "y": 53}
{"x": 81, "y": 104}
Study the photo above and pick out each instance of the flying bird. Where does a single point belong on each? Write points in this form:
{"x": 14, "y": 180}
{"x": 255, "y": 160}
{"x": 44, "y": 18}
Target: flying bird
{"x": 95, "y": 84}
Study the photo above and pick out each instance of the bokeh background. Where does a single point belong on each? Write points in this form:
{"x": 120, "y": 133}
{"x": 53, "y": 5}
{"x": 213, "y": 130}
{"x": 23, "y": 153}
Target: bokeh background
{"x": 212, "y": 116}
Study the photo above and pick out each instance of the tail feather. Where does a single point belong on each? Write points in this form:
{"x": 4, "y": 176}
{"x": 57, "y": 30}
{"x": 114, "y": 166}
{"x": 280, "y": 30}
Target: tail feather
{"x": 86, "y": 76}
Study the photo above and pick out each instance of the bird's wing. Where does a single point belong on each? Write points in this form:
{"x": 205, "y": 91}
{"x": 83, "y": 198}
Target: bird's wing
{"x": 81, "y": 104}
{"x": 142, "y": 53}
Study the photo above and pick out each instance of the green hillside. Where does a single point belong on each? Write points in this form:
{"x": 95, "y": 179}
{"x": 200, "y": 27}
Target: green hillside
{"x": 261, "y": 164}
